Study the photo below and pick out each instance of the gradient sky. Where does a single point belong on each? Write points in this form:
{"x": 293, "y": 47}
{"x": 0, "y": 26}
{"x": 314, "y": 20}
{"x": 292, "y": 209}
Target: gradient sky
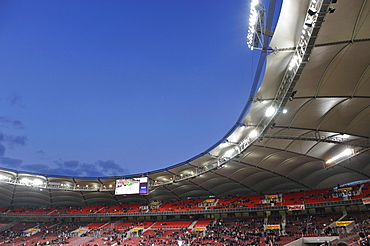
{"x": 107, "y": 88}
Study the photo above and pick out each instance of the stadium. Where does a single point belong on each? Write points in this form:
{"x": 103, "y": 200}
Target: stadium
{"x": 293, "y": 170}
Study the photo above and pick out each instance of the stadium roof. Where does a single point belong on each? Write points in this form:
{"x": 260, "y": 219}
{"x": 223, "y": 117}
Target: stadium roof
{"x": 316, "y": 86}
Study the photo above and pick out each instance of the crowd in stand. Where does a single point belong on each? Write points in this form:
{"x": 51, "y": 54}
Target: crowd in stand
{"x": 229, "y": 202}
{"x": 248, "y": 232}
{"x": 48, "y": 233}
{"x": 221, "y": 232}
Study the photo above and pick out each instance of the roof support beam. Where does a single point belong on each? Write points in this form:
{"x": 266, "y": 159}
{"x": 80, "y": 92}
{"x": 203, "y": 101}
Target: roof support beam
{"x": 271, "y": 171}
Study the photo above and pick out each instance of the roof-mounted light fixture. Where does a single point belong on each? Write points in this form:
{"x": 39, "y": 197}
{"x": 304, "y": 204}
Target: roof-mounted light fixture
{"x": 342, "y": 156}
{"x": 253, "y": 18}
{"x": 253, "y": 134}
{"x": 32, "y": 182}
{"x": 294, "y": 62}
{"x": 4, "y": 178}
{"x": 229, "y": 153}
{"x": 312, "y": 11}
{"x": 37, "y": 182}
{"x": 309, "y": 22}
{"x": 270, "y": 111}
{"x": 25, "y": 181}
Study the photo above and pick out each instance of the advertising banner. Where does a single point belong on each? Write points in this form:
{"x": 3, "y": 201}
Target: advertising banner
{"x": 366, "y": 200}
{"x": 272, "y": 227}
{"x": 343, "y": 223}
{"x": 296, "y": 207}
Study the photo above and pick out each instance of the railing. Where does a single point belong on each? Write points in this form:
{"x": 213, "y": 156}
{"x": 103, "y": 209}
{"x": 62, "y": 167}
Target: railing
{"x": 184, "y": 212}
{"x": 7, "y": 226}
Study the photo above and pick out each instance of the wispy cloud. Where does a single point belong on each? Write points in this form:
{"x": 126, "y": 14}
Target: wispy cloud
{"x": 14, "y": 99}
{"x": 37, "y": 168}
{"x": 111, "y": 168}
{"x": 10, "y": 162}
{"x": 16, "y": 140}
{"x": 12, "y": 140}
{"x": 40, "y": 152}
{"x": 9, "y": 122}
{"x": 2, "y": 150}
{"x": 60, "y": 167}
{"x": 78, "y": 169}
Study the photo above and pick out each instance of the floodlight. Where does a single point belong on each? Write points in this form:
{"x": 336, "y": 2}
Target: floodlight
{"x": 312, "y": 11}
{"x": 37, "y": 182}
{"x": 253, "y": 19}
{"x": 270, "y": 111}
{"x": 309, "y": 22}
{"x": 254, "y": 3}
{"x": 25, "y": 181}
{"x": 341, "y": 156}
{"x": 229, "y": 153}
{"x": 293, "y": 62}
{"x": 3, "y": 177}
{"x": 253, "y": 134}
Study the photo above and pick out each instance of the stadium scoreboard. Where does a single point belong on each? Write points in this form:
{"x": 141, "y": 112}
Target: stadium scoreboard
{"x": 131, "y": 186}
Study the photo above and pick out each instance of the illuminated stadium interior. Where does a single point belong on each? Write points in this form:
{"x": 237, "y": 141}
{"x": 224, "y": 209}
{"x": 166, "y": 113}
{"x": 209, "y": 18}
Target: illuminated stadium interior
{"x": 304, "y": 132}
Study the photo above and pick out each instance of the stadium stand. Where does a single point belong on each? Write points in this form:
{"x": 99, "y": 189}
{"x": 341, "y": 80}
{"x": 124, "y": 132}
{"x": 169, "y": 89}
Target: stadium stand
{"x": 275, "y": 227}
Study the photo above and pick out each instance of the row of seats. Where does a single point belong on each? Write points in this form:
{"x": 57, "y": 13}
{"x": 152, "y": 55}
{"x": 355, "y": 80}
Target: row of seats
{"x": 245, "y": 201}
{"x": 230, "y": 231}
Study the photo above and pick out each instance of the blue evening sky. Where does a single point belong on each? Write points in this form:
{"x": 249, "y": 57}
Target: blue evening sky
{"x": 102, "y": 88}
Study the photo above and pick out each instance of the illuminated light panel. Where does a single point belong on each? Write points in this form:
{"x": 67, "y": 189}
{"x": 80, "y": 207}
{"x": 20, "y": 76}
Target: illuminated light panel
{"x": 229, "y": 153}
{"x": 340, "y": 156}
{"x": 37, "y": 182}
{"x": 270, "y": 111}
{"x": 25, "y": 181}
{"x": 253, "y": 134}
{"x": 294, "y": 62}
{"x": 3, "y": 177}
{"x": 252, "y": 22}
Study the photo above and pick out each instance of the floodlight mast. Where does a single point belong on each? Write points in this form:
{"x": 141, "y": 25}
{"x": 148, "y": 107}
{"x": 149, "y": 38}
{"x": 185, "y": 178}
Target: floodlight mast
{"x": 258, "y": 33}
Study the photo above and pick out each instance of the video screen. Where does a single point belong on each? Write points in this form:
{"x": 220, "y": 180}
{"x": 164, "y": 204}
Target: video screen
{"x": 131, "y": 186}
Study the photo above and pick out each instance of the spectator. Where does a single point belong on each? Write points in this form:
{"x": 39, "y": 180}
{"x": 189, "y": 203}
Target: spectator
{"x": 342, "y": 244}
